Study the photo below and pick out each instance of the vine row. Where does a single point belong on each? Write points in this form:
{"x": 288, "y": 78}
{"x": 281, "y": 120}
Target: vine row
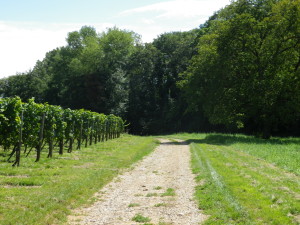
{"x": 34, "y": 126}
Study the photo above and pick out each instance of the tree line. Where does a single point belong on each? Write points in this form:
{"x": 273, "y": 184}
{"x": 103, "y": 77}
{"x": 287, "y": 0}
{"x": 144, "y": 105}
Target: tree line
{"x": 238, "y": 72}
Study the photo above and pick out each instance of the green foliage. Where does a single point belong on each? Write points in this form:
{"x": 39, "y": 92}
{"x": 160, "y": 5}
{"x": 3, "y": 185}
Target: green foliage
{"x": 133, "y": 205}
{"x": 10, "y": 121}
{"x": 168, "y": 192}
{"x": 43, "y": 123}
{"x": 89, "y": 72}
{"x": 140, "y": 218}
{"x": 153, "y": 71}
{"x": 246, "y": 68}
{"x": 25, "y": 85}
{"x": 52, "y": 188}
{"x": 238, "y": 71}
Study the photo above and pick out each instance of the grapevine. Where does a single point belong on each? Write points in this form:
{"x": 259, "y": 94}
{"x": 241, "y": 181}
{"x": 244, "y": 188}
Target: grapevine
{"x": 33, "y": 126}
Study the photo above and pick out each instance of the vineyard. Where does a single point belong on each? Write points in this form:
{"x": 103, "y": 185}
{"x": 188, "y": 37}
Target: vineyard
{"x": 33, "y": 126}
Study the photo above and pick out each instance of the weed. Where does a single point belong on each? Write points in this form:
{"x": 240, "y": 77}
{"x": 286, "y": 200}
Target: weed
{"x": 151, "y": 195}
{"x": 169, "y": 192}
{"x": 160, "y": 205}
{"x": 164, "y": 223}
{"x": 138, "y": 195}
{"x": 157, "y": 188}
{"x": 133, "y": 205}
{"x": 140, "y": 218}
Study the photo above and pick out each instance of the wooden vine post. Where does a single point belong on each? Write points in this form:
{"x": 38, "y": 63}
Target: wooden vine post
{"x": 40, "y": 143}
{"x": 18, "y": 149}
{"x": 70, "y": 149}
{"x": 50, "y": 152}
{"x": 80, "y": 135}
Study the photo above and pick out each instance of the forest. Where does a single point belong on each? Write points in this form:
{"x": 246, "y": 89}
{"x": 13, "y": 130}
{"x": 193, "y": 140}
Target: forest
{"x": 237, "y": 72}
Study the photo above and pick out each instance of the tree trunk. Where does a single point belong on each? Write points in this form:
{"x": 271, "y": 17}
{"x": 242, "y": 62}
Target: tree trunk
{"x": 50, "y": 149}
{"x": 70, "y": 149}
{"x": 86, "y": 141}
{"x": 61, "y": 146}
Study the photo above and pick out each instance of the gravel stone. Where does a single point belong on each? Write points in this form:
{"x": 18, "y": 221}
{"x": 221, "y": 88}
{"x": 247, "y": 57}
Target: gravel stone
{"x": 167, "y": 167}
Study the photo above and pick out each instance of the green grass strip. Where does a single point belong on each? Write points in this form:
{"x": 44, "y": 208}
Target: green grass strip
{"x": 213, "y": 195}
{"x": 240, "y": 192}
{"x": 282, "y": 152}
{"x": 47, "y": 191}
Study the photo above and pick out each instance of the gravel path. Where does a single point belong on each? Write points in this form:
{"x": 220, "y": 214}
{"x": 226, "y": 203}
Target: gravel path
{"x": 160, "y": 187}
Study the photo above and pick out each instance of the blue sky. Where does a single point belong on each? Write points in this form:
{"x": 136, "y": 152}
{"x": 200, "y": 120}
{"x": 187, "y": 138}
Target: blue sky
{"x": 30, "y": 28}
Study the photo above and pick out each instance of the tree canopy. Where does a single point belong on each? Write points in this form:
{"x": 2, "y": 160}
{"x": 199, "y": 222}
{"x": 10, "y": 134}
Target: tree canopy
{"x": 246, "y": 72}
{"x": 239, "y": 71}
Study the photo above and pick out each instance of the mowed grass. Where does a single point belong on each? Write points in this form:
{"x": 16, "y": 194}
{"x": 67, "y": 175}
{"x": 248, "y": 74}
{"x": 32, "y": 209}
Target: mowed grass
{"x": 245, "y": 180}
{"x": 47, "y": 191}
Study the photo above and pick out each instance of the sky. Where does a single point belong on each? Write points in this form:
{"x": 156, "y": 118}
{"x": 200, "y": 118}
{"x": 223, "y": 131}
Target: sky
{"x": 31, "y": 28}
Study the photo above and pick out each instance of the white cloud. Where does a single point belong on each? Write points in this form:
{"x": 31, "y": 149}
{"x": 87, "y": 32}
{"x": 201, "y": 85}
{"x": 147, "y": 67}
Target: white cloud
{"x": 180, "y": 8}
{"x": 173, "y": 15}
{"x": 148, "y": 33}
{"x": 23, "y": 43}
{"x": 148, "y": 21}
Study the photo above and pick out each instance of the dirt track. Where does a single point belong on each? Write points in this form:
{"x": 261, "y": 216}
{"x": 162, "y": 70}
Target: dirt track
{"x": 143, "y": 191}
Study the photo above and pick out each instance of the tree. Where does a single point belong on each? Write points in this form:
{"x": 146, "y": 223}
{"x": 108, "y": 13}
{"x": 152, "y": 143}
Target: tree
{"x": 117, "y": 46}
{"x": 176, "y": 50}
{"x": 25, "y": 85}
{"x": 89, "y": 72}
{"x": 153, "y": 71}
{"x": 247, "y": 68}
{"x": 143, "y": 106}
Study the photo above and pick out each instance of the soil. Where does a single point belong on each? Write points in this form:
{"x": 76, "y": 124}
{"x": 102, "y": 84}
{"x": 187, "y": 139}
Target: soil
{"x": 160, "y": 187}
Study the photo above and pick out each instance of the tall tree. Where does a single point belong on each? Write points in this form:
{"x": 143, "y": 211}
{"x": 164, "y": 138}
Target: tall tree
{"x": 246, "y": 72}
{"x": 117, "y": 46}
{"x": 143, "y": 107}
{"x": 153, "y": 71}
{"x": 89, "y": 72}
{"x": 25, "y": 85}
{"x": 176, "y": 50}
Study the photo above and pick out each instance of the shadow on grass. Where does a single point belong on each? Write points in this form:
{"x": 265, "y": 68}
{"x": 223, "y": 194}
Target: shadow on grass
{"x": 175, "y": 143}
{"x": 229, "y": 139}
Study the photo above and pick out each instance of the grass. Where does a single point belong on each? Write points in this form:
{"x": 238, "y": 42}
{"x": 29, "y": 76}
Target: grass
{"x": 140, "y": 218}
{"x": 47, "y": 191}
{"x": 133, "y": 205}
{"x": 245, "y": 180}
{"x": 241, "y": 179}
{"x": 161, "y": 204}
{"x": 158, "y": 188}
{"x": 151, "y": 195}
{"x": 138, "y": 195}
{"x": 168, "y": 192}
{"x": 164, "y": 223}
{"x": 282, "y": 152}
